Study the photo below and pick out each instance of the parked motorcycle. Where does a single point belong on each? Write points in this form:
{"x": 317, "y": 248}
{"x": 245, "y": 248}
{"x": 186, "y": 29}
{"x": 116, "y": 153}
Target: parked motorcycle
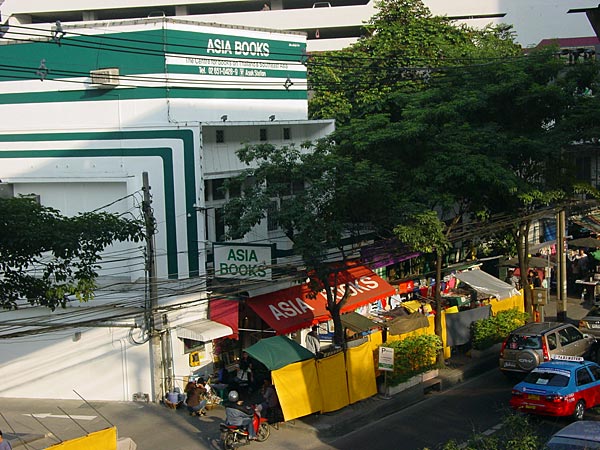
{"x": 233, "y": 436}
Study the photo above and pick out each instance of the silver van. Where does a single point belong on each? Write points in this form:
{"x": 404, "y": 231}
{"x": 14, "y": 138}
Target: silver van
{"x": 528, "y": 346}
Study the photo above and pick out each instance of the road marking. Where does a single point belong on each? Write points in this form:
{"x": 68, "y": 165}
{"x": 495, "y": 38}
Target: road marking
{"x": 487, "y": 432}
{"x": 57, "y": 416}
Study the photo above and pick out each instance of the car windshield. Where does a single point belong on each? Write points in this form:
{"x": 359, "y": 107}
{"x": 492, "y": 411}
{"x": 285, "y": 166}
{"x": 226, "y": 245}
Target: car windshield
{"x": 547, "y": 378}
{"x": 560, "y": 443}
{"x": 516, "y": 341}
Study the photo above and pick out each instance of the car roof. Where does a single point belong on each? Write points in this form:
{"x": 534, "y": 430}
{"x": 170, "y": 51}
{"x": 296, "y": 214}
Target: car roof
{"x": 538, "y": 327}
{"x": 582, "y": 429}
{"x": 565, "y": 365}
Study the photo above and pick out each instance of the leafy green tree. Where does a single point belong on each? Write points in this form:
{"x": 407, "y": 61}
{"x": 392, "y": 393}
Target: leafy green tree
{"x": 46, "y": 257}
{"x": 322, "y": 202}
{"x": 426, "y": 233}
{"x": 403, "y": 47}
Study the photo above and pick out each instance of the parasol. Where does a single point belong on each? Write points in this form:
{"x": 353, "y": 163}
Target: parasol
{"x": 585, "y": 242}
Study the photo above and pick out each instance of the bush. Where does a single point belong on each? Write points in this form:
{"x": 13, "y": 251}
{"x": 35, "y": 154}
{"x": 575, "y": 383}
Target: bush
{"x": 412, "y": 356}
{"x": 487, "y": 332}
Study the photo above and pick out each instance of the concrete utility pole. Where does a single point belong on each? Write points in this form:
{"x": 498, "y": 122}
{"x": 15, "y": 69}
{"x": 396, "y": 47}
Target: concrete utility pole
{"x": 561, "y": 267}
{"x": 155, "y": 340}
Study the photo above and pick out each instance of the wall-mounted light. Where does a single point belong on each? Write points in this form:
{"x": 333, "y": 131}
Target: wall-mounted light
{"x": 224, "y": 117}
{"x": 272, "y": 117}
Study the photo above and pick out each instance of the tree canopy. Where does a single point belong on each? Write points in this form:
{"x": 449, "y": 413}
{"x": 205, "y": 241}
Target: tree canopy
{"x": 46, "y": 257}
{"x": 322, "y": 202}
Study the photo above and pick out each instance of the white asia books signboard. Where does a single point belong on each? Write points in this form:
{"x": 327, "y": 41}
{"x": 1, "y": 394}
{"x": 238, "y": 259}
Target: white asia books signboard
{"x": 243, "y": 261}
{"x": 386, "y": 359}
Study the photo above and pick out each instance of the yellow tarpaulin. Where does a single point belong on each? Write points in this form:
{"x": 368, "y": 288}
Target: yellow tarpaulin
{"x": 298, "y": 389}
{"x": 375, "y": 339}
{"x": 334, "y": 386}
{"x": 515, "y": 301}
{"x": 361, "y": 373}
{"x": 99, "y": 440}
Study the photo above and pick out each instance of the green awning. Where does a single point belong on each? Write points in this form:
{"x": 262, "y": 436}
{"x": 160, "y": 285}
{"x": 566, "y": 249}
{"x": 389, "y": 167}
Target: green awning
{"x": 278, "y": 351}
{"x": 357, "y": 322}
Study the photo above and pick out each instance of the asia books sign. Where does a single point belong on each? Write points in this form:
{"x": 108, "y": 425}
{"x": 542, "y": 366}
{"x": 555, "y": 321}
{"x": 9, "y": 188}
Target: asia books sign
{"x": 386, "y": 359}
{"x": 243, "y": 261}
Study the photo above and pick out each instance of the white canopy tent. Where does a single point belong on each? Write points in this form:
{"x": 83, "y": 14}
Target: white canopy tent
{"x": 487, "y": 284}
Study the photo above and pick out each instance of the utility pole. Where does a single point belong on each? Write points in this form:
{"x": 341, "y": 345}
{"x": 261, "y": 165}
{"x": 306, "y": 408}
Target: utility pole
{"x": 151, "y": 308}
{"x": 561, "y": 267}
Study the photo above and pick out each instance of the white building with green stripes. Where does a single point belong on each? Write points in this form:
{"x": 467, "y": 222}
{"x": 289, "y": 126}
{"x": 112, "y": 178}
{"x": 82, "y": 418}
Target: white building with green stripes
{"x": 86, "y": 110}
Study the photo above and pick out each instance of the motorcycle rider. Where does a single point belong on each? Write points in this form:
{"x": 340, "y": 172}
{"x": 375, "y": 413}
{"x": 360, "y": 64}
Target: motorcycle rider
{"x": 239, "y": 414}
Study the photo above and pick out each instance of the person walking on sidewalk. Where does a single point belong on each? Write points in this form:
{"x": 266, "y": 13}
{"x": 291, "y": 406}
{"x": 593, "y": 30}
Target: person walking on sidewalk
{"x": 4, "y": 445}
{"x": 312, "y": 342}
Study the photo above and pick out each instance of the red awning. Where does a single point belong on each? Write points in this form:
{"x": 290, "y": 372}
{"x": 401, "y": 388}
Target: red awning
{"x": 293, "y": 308}
{"x": 225, "y": 312}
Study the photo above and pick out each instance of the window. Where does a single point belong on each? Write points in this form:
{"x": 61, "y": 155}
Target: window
{"x": 219, "y": 224}
{"x": 7, "y": 190}
{"x": 190, "y": 346}
{"x": 263, "y": 134}
{"x": 574, "y": 334}
{"x": 220, "y": 136}
{"x": 551, "y": 338}
{"x": 583, "y": 377}
{"x": 563, "y": 336}
{"x": 218, "y": 190}
{"x": 272, "y": 224}
{"x": 596, "y": 372}
{"x": 287, "y": 134}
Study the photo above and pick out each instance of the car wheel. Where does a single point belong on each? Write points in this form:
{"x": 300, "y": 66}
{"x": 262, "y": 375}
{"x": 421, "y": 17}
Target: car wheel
{"x": 579, "y": 410}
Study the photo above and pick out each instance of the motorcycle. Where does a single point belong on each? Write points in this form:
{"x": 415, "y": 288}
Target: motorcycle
{"x": 233, "y": 436}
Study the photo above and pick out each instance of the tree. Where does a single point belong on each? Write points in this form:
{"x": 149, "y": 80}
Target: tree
{"x": 324, "y": 204}
{"x": 403, "y": 48}
{"x": 486, "y": 141}
{"x": 427, "y": 234}
{"x": 46, "y": 257}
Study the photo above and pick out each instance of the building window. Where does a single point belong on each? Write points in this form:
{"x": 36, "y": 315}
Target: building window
{"x": 272, "y": 224}
{"x": 219, "y": 225}
{"x": 7, "y": 190}
{"x": 263, "y": 134}
{"x": 218, "y": 190}
{"x": 287, "y": 134}
{"x": 220, "y": 136}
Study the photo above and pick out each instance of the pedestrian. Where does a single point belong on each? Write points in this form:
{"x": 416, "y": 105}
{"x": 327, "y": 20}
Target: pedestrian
{"x": 312, "y": 342}
{"x": 4, "y": 445}
{"x": 270, "y": 399}
{"x": 196, "y": 398}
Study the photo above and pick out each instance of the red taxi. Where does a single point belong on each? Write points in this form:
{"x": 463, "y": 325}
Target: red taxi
{"x": 565, "y": 386}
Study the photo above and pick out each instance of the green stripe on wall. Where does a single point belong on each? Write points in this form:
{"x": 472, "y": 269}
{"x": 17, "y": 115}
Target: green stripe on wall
{"x": 140, "y": 93}
{"x": 187, "y": 138}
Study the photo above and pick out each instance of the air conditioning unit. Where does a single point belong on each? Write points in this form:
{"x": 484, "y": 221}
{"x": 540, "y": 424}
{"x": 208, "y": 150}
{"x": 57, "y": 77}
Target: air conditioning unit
{"x": 105, "y": 78}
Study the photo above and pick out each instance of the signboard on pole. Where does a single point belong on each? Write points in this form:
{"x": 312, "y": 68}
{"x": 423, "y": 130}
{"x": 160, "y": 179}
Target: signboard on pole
{"x": 386, "y": 359}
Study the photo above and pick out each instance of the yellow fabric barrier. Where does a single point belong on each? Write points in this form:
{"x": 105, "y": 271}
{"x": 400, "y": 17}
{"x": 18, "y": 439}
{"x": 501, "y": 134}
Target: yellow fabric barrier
{"x": 411, "y": 305}
{"x": 375, "y": 339}
{"x": 98, "y": 440}
{"x": 298, "y": 389}
{"x": 333, "y": 382}
{"x": 451, "y": 310}
{"x": 361, "y": 373}
{"x": 516, "y": 301}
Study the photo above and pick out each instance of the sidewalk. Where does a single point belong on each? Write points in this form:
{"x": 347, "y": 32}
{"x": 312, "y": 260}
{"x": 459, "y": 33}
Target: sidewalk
{"x": 179, "y": 431}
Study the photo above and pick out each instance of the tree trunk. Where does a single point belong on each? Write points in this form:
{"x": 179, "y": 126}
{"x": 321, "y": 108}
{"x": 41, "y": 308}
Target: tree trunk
{"x": 334, "y": 308}
{"x": 438, "y": 306}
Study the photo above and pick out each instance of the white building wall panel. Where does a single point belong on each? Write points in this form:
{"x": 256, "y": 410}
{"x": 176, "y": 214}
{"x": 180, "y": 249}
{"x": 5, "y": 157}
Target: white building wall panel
{"x": 67, "y": 363}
